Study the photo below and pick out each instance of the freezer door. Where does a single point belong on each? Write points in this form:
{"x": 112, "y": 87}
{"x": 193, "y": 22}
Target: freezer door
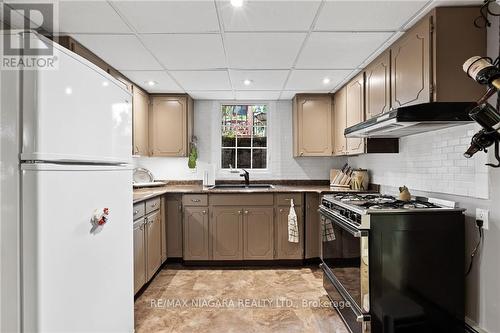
{"x": 75, "y": 112}
{"x": 75, "y": 280}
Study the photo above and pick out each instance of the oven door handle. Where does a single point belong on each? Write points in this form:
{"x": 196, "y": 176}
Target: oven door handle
{"x": 360, "y": 316}
{"x": 343, "y": 223}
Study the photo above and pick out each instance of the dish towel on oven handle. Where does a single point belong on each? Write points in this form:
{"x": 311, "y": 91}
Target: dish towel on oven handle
{"x": 327, "y": 226}
{"x": 293, "y": 226}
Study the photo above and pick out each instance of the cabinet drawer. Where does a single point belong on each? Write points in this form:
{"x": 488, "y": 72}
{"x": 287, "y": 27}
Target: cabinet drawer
{"x": 152, "y": 205}
{"x": 283, "y": 199}
{"x": 243, "y": 200}
{"x": 195, "y": 200}
{"x": 139, "y": 210}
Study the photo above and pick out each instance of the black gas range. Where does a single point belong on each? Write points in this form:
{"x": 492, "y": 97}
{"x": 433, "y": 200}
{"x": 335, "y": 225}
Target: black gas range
{"x": 392, "y": 265}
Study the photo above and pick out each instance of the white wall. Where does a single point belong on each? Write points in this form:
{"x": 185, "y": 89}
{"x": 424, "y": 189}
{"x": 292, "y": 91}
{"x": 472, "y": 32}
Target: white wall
{"x": 432, "y": 162}
{"x": 281, "y": 164}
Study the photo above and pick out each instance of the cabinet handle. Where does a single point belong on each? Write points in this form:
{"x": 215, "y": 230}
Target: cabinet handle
{"x": 154, "y": 205}
{"x": 195, "y": 200}
{"x": 301, "y": 153}
{"x": 239, "y": 212}
{"x": 204, "y": 212}
{"x": 180, "y": 208}
{"x": 136, "y": 212}
{"x": 281, "y": 210}
{"x": 246, "y": 212}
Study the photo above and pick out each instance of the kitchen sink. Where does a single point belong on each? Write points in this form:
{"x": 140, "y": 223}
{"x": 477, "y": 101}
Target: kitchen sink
{"x": 241, "y": 186}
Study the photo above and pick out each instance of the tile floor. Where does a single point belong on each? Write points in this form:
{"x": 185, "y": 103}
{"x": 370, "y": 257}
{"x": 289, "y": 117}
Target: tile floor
{"x": 239, "y": 300}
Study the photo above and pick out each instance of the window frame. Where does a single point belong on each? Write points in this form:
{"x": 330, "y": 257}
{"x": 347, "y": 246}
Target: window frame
{"x": 259, "y": 170}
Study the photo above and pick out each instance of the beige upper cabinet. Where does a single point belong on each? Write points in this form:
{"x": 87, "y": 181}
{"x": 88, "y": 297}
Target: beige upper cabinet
{"x": 411, "y": 59}
{"x": 196, "y": 233}
{"x": 258, "y": 233}
{"x": 339, "y": 122}
{"x": 312, "y": 118}
{"x": 140, "y": 112}
{"x": 170, "y": 125}
{"x": 227, "y": 233}
{"x": 378, "y": 85}
{"x": 355, "y": 112}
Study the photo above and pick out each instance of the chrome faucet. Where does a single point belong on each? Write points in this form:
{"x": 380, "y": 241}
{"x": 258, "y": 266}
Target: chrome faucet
{"x": 247, "y": 177}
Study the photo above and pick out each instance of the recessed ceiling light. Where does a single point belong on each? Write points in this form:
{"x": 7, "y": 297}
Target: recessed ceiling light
{"x": 105, "y": 83}
{"x": 237, "y": 3}
{"x": 247, "y": 82}
{"x": 326, "y": 80}
{"x": 151, "y": 83}
{"x": 68, "y": 91}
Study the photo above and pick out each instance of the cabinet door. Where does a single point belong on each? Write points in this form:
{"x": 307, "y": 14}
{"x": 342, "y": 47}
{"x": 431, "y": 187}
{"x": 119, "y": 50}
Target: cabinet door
{"x": 139, "y": 255}
{"x": 314, "y": 125}
{"x": 410, "y": 72}
{"x": 140, "y": 122}
{"x": 285, "y": 249}
{"x": 196, "y": 233}
{"x": 169, "y": 126}
{"x": 258, "y": 233}
{"x": 153, "y": 242}
{"x": 163, "y": 212}
{"x": 355, "y": 106}
{"x": 173, "y": 208}
{"x": 378, "y": 88}
{"x": 312, "y": 226}
{"x": 227, "y": 233}
{"x": 339, "y": 122}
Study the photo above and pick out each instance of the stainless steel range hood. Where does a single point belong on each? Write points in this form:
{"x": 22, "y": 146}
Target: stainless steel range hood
{"x": 413, "y": 119}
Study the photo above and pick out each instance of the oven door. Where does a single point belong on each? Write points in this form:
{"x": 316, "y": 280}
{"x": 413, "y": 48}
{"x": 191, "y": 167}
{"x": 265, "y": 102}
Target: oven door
{"x": 345, "y": 266}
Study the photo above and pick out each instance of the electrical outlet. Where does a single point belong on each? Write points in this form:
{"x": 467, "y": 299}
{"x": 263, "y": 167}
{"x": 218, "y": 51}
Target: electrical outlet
{"x": 482, "y": 214}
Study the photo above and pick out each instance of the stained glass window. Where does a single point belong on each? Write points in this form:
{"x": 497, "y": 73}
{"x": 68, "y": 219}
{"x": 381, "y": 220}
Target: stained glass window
{"x": 244, "y": 136}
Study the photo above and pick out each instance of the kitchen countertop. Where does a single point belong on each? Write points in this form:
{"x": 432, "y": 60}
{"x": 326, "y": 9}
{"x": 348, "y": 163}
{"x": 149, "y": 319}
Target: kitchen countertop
{"x": 141, "y": 194}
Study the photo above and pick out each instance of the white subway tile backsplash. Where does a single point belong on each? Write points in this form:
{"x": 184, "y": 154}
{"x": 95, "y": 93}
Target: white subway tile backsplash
{"x": 431, "y": 162}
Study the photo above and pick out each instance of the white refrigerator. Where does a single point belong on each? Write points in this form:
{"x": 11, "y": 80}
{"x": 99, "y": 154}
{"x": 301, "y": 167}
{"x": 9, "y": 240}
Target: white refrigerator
{"x": 66, "y": 194}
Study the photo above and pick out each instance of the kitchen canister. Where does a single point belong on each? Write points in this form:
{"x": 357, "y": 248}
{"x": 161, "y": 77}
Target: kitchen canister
{"x": 360, "y": 179}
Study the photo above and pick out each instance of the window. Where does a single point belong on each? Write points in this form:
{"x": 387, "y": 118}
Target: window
{"x": 244, "y": 136}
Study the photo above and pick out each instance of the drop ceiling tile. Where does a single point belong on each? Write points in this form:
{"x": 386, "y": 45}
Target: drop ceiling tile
{"x": 257, "y": 95}
{"x": 367, "y": 15}
{"x": 269, "y": 15}
{"x": 123, "y": 52}
{"x": 202, "y": 80}
{"x": 312, "y": 80}
{"x": 288, "y": 95}
{"x": 187, "y": 51}
{"x": 170, "y": 16}
{"x": 262, "y": 50}
{"x": 89, "y": 17}
{"x": 212, "y": 95}
{"x": 260, "y": 80}
{"x": 164, "y": 83}
{"x": 339, "y": 50}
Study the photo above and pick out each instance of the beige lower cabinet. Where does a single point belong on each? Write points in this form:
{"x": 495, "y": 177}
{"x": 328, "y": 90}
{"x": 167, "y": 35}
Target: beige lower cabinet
{"x": 226, "y": 229}
{"x": 285, "y": 249}
{"x": 173, "y": 207}
{"x": 139, "y": 255}
{"x": 258, "y": 231}
{"x": 163, "y": 229}
{"x": 153, "y": 243}
{"x": 312, "y": 226}
{"x": 196, "y": 233}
